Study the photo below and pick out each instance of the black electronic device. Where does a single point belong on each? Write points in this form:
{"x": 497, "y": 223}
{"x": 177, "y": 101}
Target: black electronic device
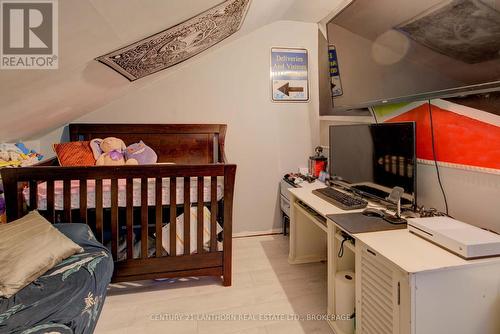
{"x": 371, "y": 212}
{"x": 340, "y": 199}
{"x": 375, "y": 158}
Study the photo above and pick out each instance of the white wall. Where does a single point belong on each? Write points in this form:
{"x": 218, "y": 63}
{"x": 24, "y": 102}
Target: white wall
{"x": 473, "y": 196}
{"x": 231, "y": 85}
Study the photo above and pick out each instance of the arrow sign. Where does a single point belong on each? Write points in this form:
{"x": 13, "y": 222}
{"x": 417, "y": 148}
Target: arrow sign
{"x": 286, "y": 89}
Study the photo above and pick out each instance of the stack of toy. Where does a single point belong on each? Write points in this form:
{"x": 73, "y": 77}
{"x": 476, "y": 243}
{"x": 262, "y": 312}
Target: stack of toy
{"x": 17, "y": 155}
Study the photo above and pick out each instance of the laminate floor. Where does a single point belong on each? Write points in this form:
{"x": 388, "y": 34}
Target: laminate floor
{"x": 268, "y": 296}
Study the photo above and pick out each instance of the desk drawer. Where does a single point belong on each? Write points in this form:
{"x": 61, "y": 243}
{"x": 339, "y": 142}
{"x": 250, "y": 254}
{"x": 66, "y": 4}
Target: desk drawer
{"x": 285, "y": 205}
{"x": 284, "y": 186}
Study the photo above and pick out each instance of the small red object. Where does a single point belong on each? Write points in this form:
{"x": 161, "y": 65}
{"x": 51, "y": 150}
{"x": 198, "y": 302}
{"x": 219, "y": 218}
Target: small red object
{"x": 317, "y": 163}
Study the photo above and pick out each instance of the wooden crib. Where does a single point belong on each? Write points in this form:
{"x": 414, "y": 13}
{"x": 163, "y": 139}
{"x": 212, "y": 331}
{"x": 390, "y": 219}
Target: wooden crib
{"x": 197, "y": 154}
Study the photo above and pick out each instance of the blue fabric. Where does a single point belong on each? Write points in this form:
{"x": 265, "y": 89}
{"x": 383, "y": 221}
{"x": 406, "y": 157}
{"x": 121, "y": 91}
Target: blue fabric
{"x": 66, "y": 299}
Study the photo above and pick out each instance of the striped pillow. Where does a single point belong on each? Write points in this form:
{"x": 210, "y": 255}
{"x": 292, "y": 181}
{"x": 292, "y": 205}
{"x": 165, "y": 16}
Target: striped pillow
{"x": 75, "y": 153}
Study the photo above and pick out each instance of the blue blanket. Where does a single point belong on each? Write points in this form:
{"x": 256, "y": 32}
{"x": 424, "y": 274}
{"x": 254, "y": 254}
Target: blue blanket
{"x": 66, "y": 299}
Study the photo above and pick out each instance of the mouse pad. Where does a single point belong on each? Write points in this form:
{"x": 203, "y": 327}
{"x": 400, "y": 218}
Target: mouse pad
{"x": 356, "y": 222}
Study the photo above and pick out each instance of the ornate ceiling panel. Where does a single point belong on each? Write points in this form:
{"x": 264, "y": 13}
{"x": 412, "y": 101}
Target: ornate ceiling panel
{"x": 178, "y": 43}
{"x": 467, "y": 30}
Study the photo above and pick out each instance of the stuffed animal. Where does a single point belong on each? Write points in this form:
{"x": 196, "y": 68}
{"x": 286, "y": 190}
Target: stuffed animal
{"x": 5, "y": 156}
{"x": 10, "y": 155}
{"x": 140, "y": 154}
{"x": 108, "y": 151}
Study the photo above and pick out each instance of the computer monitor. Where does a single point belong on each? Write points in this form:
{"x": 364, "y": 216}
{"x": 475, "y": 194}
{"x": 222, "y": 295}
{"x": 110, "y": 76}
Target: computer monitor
{"x": 375, "y": 158}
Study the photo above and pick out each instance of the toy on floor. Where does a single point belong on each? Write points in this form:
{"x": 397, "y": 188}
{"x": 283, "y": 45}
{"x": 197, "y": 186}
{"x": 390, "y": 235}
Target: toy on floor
{"x": 140, "y": 154}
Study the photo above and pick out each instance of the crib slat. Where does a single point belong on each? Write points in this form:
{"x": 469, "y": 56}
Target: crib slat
{"x": 98, "y": 210}
{"x": 33, "y": 195}
{"x": 50, "y": 201}
{"x": 173, "y": 216}
{"x": 83, "y": 201}
{"x": 187, "y": 215}
{"x": 144, "y": 218}
{"x": 20, "y": 198}
{"x": 67, "y": 200}
{"x": 213, "y": 213}
{"x": 199, "y": 215}
{"x": 158, "y": 215}
{"x": 130, "y": 217}
{"x": 114, "y": 218}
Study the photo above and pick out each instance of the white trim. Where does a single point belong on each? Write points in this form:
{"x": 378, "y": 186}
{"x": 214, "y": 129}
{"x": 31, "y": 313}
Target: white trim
{"x": 340, "y": 7}
{"x": 355, "y": 119}
{"x": 409, "y": 107}
{"x": 460, "y": 166}
{"x": 256, "y": 233}
{"x": 467, "y": 111}
{"x": 459, "y": 109}
{"x": 306, "y": 259}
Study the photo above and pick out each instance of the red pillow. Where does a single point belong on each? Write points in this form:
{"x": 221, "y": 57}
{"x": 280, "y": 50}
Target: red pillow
{"x": 75, "y": 153}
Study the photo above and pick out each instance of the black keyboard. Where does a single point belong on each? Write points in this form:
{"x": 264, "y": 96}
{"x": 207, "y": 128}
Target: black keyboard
{"x": 340, "y": 199}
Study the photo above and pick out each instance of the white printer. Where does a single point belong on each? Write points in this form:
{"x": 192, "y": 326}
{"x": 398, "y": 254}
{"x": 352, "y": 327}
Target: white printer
{"x": 464, "y": 240}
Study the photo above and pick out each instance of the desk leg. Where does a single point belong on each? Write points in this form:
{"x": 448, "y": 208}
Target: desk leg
{"x": 308, "y": 242}
{"x": 336, "y": 264}
{"x": 331, "y": 264}
{"x": 285, "y": 220}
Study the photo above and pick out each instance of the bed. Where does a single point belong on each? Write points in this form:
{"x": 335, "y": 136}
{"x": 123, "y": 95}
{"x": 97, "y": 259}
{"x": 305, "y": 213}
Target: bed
{"x": 128, "y": 207}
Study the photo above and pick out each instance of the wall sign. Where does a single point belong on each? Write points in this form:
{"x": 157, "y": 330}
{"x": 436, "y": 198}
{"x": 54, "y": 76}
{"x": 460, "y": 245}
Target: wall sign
{"x": 335, "y": 82}
{"x": 289, "y": 75}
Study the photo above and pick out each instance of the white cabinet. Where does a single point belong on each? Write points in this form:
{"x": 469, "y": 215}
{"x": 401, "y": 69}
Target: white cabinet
{"x": 456, "y": 299}
{"x": 381, "y": 294}
{"x": 404, "y": 284}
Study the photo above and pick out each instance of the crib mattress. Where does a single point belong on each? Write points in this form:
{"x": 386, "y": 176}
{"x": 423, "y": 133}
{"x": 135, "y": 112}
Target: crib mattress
{"x": 106, "y": 187}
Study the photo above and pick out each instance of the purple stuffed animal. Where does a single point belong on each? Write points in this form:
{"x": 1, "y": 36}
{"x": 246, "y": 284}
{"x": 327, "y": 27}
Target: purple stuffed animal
{"x": 140, "y": 154}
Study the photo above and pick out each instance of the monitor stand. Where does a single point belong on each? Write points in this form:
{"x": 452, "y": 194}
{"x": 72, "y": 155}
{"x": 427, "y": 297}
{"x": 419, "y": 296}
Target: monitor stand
{"x": 372, "y": 191}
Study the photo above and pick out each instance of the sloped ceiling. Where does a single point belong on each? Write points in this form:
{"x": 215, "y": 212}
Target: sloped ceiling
{"x": 33, "y": 102}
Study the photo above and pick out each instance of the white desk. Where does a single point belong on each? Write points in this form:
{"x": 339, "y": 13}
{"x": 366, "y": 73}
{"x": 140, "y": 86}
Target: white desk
{"x": 428, "y": 289}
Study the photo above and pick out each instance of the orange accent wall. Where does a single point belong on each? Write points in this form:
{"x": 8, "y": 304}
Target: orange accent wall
{"x": 457, "y": 138}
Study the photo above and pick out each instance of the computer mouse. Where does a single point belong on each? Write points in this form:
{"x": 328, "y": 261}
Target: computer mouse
{"x": 370, "y": 212}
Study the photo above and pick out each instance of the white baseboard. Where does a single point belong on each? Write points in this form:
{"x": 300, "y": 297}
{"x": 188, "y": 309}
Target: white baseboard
{"x": 306, "y": 259}
{"x": 256, "y": 233}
